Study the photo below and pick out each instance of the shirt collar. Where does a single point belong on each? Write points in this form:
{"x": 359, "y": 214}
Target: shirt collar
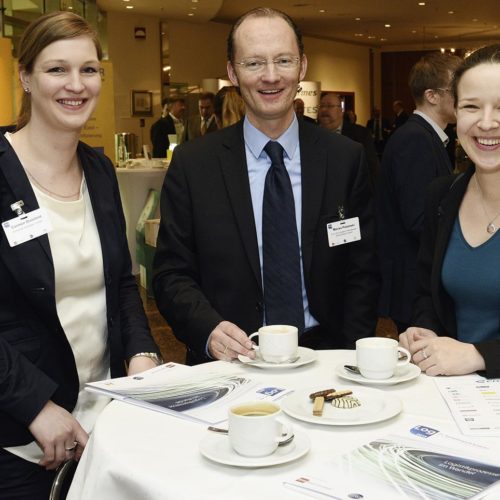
{"x": 439, "y": 131}
{"x": 256, "y": 140}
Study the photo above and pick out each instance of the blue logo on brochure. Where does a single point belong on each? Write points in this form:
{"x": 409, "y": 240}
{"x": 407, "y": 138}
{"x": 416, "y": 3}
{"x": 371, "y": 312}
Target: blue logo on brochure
{"x": 422, "y": 431}
{"x": 270, "y": 391}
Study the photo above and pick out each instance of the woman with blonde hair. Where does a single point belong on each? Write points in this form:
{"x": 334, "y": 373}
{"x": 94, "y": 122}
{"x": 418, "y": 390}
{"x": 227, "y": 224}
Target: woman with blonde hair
{"x": 70, "y": 311}
{"x": 229, "y": 107}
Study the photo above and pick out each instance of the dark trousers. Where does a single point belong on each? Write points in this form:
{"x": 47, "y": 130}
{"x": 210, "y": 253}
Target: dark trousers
{"x": 23, "y": 480}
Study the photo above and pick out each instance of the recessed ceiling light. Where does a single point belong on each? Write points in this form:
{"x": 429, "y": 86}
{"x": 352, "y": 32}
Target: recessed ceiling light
{"x": 194, "y": 7}
{"x": 322, "y": 11}
{"x": 383, "y": 39}
{"x": 474, "y": 20}
{"x": 413, "y": 31}
{"x": 387, "y": 25}
{"x": 421, "y": 4}
{"x": 357, "y": 19}
{"x": 442, "y": 49}
{"x": 451, "y": 12}
{"x": 371, "y": 37}
{"x": 190, "y": 14}
{"x": 452, "y": 50}
{"x": 129, "y": 7}
{"x": 194, "y": 1}
{"x": 435, "y": 36}
{"x": 358, "y": 34}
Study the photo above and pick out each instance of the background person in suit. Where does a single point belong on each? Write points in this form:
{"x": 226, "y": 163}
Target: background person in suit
{"x": 457, "y": 315}
{"x": 70, "y": 312}
{"x": 330, "y": 116}
{"x": 217, "y": 224}
{"x": 414, "y": 156}
{"x": 205, "y": 121}
{"x": 400, "y": 115}
{"x": 171, "y": 123}
{"x": 299, "y": 107}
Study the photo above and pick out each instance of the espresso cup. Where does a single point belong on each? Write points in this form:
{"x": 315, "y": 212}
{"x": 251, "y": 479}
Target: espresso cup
{"x": 254, "y": 428}
{"x": 377, "y": 357}
{"x": 277, "y": 343}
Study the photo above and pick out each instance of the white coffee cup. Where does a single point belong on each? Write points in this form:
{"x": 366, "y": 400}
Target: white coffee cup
{"x": 277, "y": 343}
{"x": 377, "y": 357}
{"x": 254, "y": 428}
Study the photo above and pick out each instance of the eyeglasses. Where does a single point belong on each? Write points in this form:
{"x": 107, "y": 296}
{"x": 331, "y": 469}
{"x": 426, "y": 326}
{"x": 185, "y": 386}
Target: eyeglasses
{"x": 330, "y": 106}
{"x": 284, "y": 63}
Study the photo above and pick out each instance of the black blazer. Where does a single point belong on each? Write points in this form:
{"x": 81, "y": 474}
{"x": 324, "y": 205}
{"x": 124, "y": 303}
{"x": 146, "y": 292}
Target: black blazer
{"x": 434, "y": 309}
{"x": 206, "y": 267}
{"x": 159, "y": 133}
{"x": 36, "y": 360}
{"x": 413, "y": 158}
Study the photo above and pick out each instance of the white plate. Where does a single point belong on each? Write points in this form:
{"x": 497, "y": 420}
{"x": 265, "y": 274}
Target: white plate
{"x": 375, "y": 407}
{"x": 305, "y": 354}
{"x": 403, "y": 374}
{"x": 216, "y": 447}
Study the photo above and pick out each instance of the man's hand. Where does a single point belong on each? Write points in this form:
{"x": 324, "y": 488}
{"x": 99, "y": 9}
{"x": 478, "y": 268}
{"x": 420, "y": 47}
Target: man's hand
{"x": 140, "y": 364}
{"x": 59, "y": 435}
{"x": 227, "y": 341}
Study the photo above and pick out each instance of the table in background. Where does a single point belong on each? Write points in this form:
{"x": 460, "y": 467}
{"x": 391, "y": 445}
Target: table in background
{"x": 135, "y": 184}
{"x": 136, "y": 453}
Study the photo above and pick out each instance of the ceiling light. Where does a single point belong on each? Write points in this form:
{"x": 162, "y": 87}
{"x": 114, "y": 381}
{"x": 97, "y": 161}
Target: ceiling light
{"x": 357, "y": 19}
{"x": 194, "y": 1}
{"x": 322, "y": 11}
{"x": 129, "y": 7}
{"x": 435, "y": 36}
{"x": 371, "y": 37}
{"x": 358, "y": 34}
{"x": 126, "y": 0}
{"x": 452, "y": 50}
{"x": 421, "y": 4}
{"x": 167, "y": 68}
{"x": 451, "y": 12}
{"x": 442, "y": 49}
{"x": 383, "y": 39}
{"x": 387, "y": 25}
{"x": 474, "y": 20}
{"x": 190, "y": 14}
{"x": 413, "y": 31}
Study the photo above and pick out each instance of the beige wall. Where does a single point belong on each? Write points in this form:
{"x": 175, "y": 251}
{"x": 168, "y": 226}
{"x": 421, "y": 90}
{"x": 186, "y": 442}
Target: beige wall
{"x": 136, "y": 66}
{"x": 6, "y": 83}
{"x": 338, "y": 66}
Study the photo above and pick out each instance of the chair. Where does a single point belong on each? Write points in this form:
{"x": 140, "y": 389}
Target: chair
{"x": 62, "y": 481}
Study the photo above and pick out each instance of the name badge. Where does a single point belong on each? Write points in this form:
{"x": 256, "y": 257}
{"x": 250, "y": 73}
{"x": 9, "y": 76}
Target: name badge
{"x": 26, "y": 227}
{"x": 343, "y": 231}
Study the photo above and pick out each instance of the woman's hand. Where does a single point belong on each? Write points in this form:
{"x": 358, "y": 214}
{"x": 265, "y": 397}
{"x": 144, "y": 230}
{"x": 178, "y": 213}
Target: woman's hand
{"x": 441, "y": 355}
{"x": 59, "y": 435}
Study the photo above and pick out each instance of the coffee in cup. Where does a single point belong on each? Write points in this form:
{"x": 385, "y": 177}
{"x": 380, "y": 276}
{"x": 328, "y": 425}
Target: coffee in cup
{"x": 254, "y": 428}
{"x": 377, "y": 357}
{"x": 277, "y": 343}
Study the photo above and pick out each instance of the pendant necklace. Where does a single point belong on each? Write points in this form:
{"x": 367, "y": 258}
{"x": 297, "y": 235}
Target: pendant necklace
{"x": 490, "y": 228}
{"x": 65, "y": 196}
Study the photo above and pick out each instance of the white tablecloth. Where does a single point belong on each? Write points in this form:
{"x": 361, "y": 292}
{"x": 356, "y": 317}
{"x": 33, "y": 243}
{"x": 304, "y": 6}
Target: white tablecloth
{"x": 138, "y": 454}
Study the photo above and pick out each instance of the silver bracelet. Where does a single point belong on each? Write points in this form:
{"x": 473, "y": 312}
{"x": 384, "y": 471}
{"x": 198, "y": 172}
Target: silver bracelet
{"x": 151, "y": 355}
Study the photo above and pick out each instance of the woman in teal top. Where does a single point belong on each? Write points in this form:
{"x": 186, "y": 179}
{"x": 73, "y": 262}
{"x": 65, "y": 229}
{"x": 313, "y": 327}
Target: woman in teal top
{"x": 457, "y": 310}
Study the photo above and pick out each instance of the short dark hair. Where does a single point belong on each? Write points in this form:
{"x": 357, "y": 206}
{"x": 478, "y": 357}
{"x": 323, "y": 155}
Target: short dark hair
{"x": 263, "y": 12}
{"x": 207, "y": 96}
{"x": 431, "y": 72}
{"x": 485, "y": 55}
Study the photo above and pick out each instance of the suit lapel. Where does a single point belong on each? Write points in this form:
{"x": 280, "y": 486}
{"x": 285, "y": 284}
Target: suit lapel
{"x": 313, "y": 173}
{"x": 234, "y": 170}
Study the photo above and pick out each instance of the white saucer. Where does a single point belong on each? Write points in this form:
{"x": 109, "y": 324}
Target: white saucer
{"x": 403, "y": 374}
{"x": 305, "y": 354}
{"x": 376, "y": 406}
{"x": 216, "y": 447}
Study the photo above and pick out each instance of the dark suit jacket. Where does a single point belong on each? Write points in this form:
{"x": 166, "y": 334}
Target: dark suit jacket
{"x": 413, "y": 158}
{"x": 362, "y": 135}
{"x": 36, "y": 360}
{"x": 400, "y": 120}
{"x": 206, "y": 267}
{"x": 194, "y": 127}
{"x": 434, "y": 309}
{"x": 159, "y": 136}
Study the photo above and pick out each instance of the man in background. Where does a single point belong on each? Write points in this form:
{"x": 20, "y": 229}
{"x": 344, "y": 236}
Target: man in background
{"x": 414, "y": 156}
{"x": 251, "y": 215}
{"x": 400, "y": 115}
{"x": 299, "y": 107}
{"x": 171, "y": 123}
{"x": 204, "y": 122}
{"x": 330, "y": 116}
{"x": 380, "y": 128}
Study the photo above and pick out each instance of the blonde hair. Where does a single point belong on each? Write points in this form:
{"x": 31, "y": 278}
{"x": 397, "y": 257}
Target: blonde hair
{"x": 233, "y": 107}
{"x": 45, "y": 30}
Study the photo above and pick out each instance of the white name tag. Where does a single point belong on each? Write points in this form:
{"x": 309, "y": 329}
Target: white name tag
{"x": 26, "y": 227}
{"x": 343, "y": 231}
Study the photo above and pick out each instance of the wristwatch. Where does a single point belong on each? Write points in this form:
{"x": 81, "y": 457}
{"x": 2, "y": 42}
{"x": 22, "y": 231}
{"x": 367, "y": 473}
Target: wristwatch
{"x": 151, "y": 355}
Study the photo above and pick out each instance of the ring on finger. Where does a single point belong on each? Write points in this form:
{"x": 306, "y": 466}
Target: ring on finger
{"x": 72, "y": 448}
{"x": 424, "y": 354}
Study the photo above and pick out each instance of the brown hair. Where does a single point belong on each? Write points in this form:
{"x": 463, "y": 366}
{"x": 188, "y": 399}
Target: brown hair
{"x": 431, "y": 72}
{"x": 45, "y": 30}
{"x": 263, "y": 12}
{"x": 485, "y": 55}
{"x": 233, "y": 107}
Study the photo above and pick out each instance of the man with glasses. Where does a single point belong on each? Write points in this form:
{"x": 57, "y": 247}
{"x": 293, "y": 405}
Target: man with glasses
{"x": 268, "y": 221}
{"x": 414, "y": 156}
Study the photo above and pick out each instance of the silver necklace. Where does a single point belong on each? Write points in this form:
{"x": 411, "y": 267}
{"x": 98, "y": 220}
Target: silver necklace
{"x": 31, "y": 176}
{"x": 490, "y": 228}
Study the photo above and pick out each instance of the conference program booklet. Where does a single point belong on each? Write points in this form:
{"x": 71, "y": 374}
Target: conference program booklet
{"x": 419, "y": 463}
{"x": 198, "y": 393}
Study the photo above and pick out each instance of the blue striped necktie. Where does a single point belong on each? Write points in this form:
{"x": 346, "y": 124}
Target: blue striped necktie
{"x": 281, "y": 254}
